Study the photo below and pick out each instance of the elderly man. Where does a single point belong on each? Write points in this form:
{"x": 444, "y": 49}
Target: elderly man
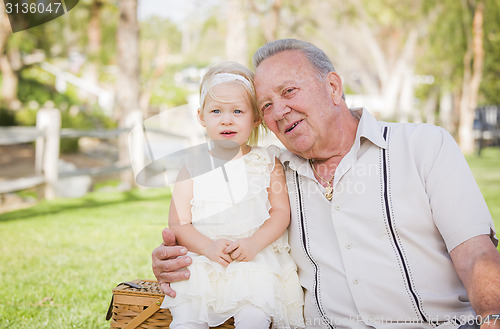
{"x": 389, "y": 228}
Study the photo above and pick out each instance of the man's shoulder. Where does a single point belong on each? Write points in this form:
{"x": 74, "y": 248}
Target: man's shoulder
{"x": 415, "y": 131}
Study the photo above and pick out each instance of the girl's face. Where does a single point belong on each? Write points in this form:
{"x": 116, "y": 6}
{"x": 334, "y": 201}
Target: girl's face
{"x": 228, "y": 116}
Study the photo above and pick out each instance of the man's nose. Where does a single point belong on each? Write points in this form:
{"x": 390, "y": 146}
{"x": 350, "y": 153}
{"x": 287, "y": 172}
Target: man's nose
{"x": 280, "y": 110}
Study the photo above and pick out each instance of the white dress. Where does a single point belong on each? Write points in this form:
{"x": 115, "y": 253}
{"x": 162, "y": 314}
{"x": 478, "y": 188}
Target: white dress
{"x": 232, "y": 202}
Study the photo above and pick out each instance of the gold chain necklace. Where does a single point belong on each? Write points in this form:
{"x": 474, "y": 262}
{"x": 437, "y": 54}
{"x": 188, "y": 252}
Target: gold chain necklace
{"x": 329, "y": 187}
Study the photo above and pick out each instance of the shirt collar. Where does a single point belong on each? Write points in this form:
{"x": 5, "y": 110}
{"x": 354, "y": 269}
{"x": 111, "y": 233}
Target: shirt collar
{"x": 368, "y": 128}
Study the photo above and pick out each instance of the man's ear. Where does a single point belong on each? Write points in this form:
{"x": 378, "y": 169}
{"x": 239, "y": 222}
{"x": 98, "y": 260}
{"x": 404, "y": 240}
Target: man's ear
{"x": 335, "y": 82}
{"x": 199, "y": 116}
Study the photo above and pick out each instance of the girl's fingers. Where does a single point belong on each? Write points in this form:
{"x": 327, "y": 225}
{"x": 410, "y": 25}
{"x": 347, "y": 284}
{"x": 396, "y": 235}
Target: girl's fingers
{"x": 223, "y": 262}
{"x": 235, "y": 254}
{"x": 227, "y": 258}
{"x": 231, "y": 247}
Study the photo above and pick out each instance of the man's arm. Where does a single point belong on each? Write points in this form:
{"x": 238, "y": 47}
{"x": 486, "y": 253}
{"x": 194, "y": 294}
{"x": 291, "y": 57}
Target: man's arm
{"x": 477, "y": 263}
{"x": 169, "y": 262}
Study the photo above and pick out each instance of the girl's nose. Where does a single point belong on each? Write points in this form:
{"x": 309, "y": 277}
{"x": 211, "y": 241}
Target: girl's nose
{"x": 226, "y": 119}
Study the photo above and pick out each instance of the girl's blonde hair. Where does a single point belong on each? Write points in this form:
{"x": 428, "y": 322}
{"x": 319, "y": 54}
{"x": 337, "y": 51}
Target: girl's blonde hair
{"x": 238, "y": 69}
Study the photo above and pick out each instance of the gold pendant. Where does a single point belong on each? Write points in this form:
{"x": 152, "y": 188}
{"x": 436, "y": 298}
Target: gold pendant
{"x": 329, "y": 192}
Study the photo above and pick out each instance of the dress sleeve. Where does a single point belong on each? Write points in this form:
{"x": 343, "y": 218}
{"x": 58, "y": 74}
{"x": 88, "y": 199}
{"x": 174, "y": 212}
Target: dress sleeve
{"x": 274, "y": 152}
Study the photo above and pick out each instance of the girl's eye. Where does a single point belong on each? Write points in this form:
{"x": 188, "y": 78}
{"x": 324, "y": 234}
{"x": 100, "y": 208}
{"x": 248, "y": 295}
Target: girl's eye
{"x": 237, "y": 111}
{"x": 216, "y": 111}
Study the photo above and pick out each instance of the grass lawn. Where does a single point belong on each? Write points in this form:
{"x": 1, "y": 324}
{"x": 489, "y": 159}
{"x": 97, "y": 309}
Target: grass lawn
{"x": 60, "y": 259}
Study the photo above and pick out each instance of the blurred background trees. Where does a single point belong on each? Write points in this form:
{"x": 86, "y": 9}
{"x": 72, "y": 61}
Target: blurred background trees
{"x": 404, "y": 60}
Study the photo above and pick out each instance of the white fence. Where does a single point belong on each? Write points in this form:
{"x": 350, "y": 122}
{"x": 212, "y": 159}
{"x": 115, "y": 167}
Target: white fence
{"x": 47, "y": 135}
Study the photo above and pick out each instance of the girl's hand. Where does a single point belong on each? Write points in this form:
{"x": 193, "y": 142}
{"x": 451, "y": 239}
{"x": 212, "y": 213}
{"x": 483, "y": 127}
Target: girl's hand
{"x": 216, "y": 251}
{"x": 243, "y": 250}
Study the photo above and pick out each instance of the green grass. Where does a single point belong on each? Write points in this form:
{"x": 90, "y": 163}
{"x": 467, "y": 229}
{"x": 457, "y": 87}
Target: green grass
{"x": 486, "y": 170}
{"x": 59, "y": 260}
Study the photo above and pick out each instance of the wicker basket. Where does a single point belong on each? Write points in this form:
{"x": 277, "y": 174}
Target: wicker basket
{"x": 136, "y": 304}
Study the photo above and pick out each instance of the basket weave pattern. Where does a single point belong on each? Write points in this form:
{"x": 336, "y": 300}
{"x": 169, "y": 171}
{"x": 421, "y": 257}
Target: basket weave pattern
{"x": 129, "y": 303}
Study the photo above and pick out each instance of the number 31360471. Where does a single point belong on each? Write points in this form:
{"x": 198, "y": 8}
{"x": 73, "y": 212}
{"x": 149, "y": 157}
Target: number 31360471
{"x": 32, "y": 8}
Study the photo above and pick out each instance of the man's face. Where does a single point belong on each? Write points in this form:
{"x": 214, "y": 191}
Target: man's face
{"x": 297, "y": 106}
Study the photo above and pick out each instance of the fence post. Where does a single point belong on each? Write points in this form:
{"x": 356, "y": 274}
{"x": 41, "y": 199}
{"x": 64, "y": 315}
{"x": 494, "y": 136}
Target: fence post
{"x": 47, "y": 149}
{"x": 136, "y": 142}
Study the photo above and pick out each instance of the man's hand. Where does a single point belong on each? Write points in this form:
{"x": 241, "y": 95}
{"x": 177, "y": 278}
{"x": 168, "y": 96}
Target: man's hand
{"x": 216, "y": 252}
{"x": 243, "y": 250}
{"x": 168, "y": 266}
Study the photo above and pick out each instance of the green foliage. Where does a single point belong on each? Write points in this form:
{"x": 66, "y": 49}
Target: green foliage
{"x": 170, "y": 95}
{"x": 157, "y": 29}
{"x": 36, "y": 90}
{"x": 25, "y": 117}
{"x": 7, "y": 117}
{"x": 445, "y": 45}
{"x": 36, "y": 85}
{"x": 490, "y": 86}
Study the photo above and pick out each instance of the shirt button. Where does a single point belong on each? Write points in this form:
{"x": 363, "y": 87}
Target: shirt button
{"x": 337, "y": 208}
{"x": 355, "y": 281}
{"x": 348, "y": 246}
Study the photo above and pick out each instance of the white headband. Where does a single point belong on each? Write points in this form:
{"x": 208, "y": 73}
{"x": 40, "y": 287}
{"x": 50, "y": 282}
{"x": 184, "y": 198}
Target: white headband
{"x": 221, "y": 78}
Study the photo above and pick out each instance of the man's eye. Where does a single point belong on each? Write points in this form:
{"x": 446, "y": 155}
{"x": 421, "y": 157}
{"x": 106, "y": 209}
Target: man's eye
{"x": 289, "y": 90}
{"x": 265, "y": 107}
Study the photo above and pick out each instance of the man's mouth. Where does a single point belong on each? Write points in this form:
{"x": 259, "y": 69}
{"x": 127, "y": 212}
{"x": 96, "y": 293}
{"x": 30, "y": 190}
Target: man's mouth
{"x": 292, "y": 126}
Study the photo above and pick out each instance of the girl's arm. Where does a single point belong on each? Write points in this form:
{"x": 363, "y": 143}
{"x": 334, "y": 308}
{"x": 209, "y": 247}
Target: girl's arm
{"x": 274, "y": 227}
{"x": 179, "y": 220}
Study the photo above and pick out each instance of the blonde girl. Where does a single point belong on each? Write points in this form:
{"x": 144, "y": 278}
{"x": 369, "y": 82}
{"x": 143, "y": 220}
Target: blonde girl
{"x": 233, "y": 218}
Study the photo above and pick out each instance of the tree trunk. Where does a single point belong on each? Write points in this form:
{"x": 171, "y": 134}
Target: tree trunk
{"x": 159, "y": 69}
{"x": 269, "y": 17}
{"x": 5, "y": 30}
{"x": 127, "y": 96}
{"x": 236, "y": 38}
{"x": 94, "y": 33}
{"x": 8, "y": 91}
{"x": 446, "y": 112}
{"x": 473, "y": 67}
{"x": 430, "y": 106}
{"x": 392, "y": 89}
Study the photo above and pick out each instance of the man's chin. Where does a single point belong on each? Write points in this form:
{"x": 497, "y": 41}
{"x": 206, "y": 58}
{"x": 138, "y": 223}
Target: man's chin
{"x": 299, "y": 148}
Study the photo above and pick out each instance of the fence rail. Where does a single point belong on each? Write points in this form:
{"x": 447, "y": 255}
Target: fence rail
{"x": 47, "y": 135}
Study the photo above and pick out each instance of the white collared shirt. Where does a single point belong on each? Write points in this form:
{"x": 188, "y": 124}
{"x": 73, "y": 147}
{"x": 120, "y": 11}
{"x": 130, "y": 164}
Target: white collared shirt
{"x": 378, "y": 253}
